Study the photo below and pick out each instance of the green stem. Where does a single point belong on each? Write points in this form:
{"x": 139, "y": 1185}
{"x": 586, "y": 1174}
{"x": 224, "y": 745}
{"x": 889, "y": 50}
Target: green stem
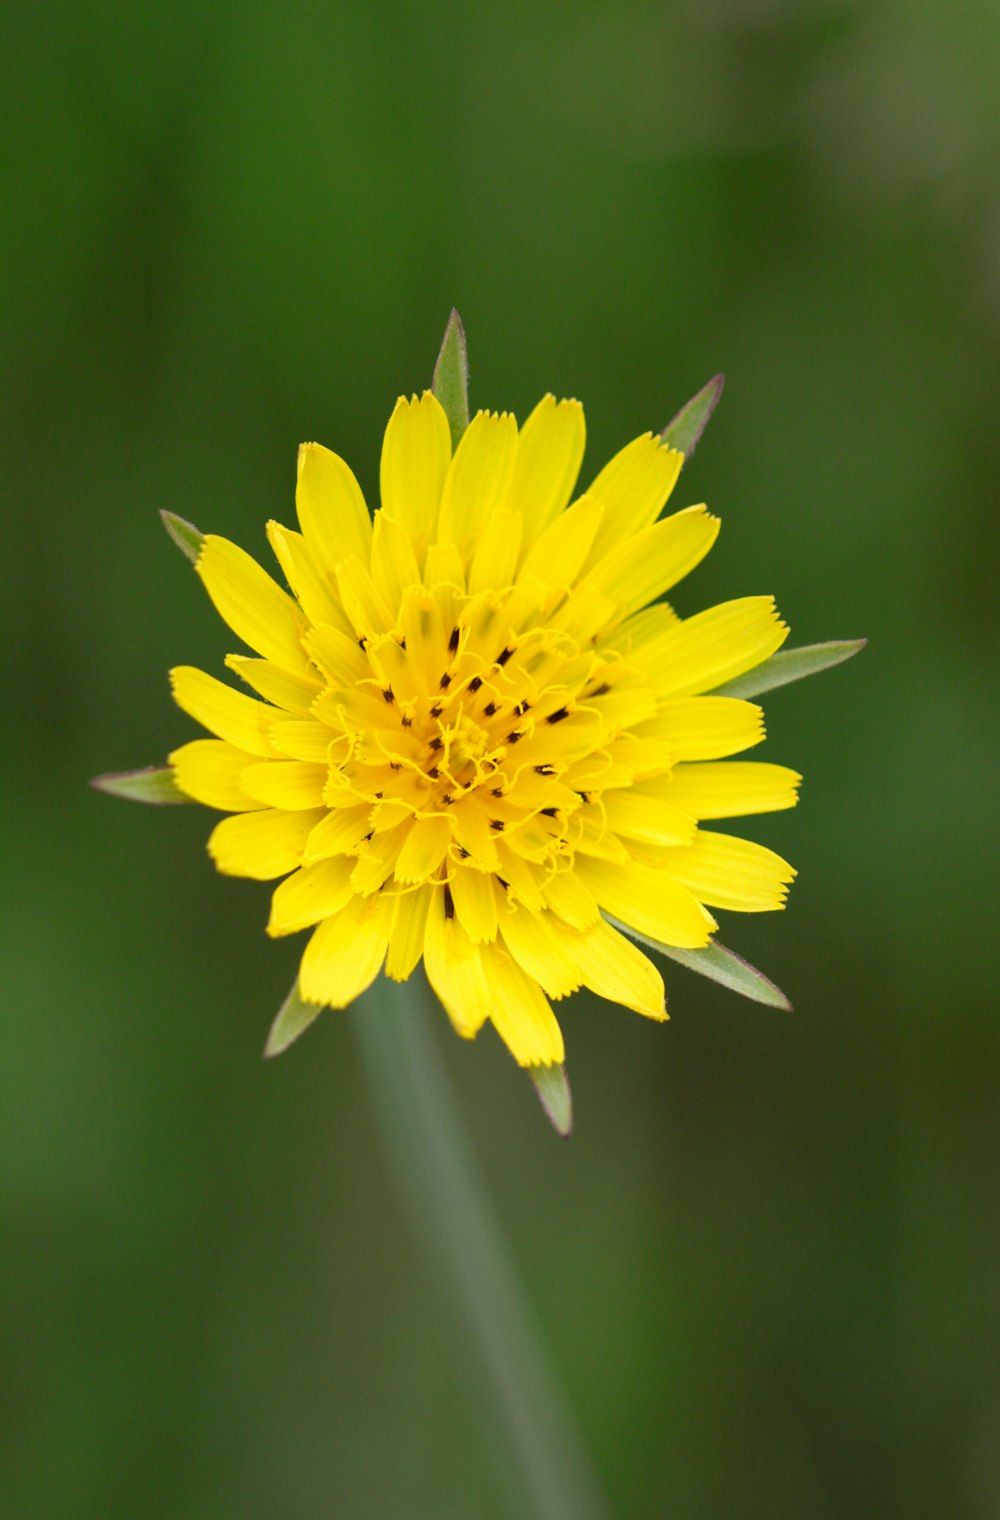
{"x": 450, "y": 1210}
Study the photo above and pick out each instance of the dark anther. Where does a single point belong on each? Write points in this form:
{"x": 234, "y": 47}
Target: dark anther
{"x": 434, "y": 773}
{"x": 449, "y": 905}
{"x": 389, "y": 694}
{"x": 445, "y": 681}
{"x": 453, "y": 641}
{"x": 514, "y": 736}
{"x": 497, "y": 791}
{"x": 504, "y": 655}
{"x": 463, "y": 853}
{"x": 475, "y": 683}
{"x": 497, "y": 825}
{"x": 490, "y": 709}
{"x": 368, "y": 837}
{"x": 521, "y": 709}
{"x": 602, "y": 690}
{"x": 437, "y": 742}
{"x": 551, "y": 812}
{"x": 395, "y": 765}
{"x": 378, "y": 796}
{"x": 545, "y": 770}
{"x": 447, "y": 799}
{"x": 437, "y": 710}
{"x": 407, "y": 721}
{"x": 558, "y": 715}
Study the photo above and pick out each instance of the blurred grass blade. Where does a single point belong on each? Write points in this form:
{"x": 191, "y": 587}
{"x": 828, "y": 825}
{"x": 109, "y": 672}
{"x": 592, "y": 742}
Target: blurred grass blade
{"x": 154, "y": 784}
{"x": 293, "y": 1018}
{"x": 547, "y": 1471}
{"x": 719, "y": 965}
{"x": 689, "y": 424}
{"x": 791, "y": 665}
{"x": 552, "y": 1087}
{"x": 184, "y": 534}
{"x": 451, "y": 378}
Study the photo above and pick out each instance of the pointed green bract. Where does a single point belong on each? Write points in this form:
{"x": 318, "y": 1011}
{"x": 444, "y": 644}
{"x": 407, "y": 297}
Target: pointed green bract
{"x": 718, "y": 964}
{"x": 154, "y": 784}
{"x": 689, "y": 424}
{"x": 184, "y": 534}
{"x": 451, "y": 378}
{"x": 293, "y": 1018}
{"x": 552, "y": 1087}
{"x": 791, "y": 665}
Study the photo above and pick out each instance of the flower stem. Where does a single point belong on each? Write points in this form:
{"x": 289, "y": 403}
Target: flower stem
{"x": 450, "y": 1210}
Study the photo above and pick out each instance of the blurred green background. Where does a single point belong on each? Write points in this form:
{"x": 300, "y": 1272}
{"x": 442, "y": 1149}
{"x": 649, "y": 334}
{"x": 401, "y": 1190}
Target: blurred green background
{"x": 766, "y": 1264}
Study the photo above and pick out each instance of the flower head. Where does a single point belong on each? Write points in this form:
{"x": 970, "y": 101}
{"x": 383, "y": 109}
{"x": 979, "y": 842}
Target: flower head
{"x": 479, "y": 738}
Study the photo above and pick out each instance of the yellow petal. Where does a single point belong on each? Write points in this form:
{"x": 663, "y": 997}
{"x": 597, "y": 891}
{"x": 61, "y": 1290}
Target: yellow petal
{"x": 495, "y": 556}
{"x": 646, "y": 811}
{"x": 303, "y": 739}
{"x": 731, "y": 789}
{"x": 549, "y": 454}
{"x": 426, "y": 637}
{"x": 288, "y": 784}
{"x": 338, "y": 832}
{"x": 261, "y": 845}
{"x": 337, "y": 654}
{"x": 455, "y": 970}
{"x": 559, "y": 553}
{"x": 616, "y": 969}
{"x": 640, "y": 629}
{"x": 712, "y": 647}
{"x": 254, "y": 606}
{"x": 346, "y": 952}
{"x": 538, "y": 950}
{"x": 634, "y": 487}
{"x": 444, "y": 566}
{"x": 416, "y": 453}
{"x": 732, "y": 873}
{"x": 369, "y": 613}
{"x": 409, "y": 926}
{"x": 574, "y": 903}
{"x": 394, "y": 564}
{"x": 331, "y": 509}
{"x": 314, "y": 587}
{"x": 520, "y": 1011}
{"x": 705, "y": 728}
{"x": 425, "y": 848}
{"x": 377, "y": 858}
{"x": 638, "y": 569}
{"x": 295, "y": 691}
{"x": 622, "y": 701}
{"x": 648, "y": 899}
{"x": 210, "y": 771}
{"x": 474, "y": 897}
{"x": 224, "y": 712}
{"x": 310, "y": 895}
{"x": 478, "y": 478}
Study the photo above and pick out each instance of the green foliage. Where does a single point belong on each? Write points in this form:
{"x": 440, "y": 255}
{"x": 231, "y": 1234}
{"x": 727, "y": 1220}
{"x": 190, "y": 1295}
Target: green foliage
{"x": 184, "y": 534}
{"x": 552, "y": 1087}
{"x": 154, "y": 784}
{"x": 691, "y": 421}
{"x": 791, "y": 665}
{"x": 293, "y": 1018}
{"x": 718, "y": 964}
{"x": 451, "y": 378}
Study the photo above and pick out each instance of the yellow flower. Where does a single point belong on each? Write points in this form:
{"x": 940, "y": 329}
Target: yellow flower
{"x": 478, "y": 735}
